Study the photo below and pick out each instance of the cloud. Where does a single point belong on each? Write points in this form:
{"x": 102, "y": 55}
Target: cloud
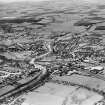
{"x": 88, "y": 1}
{"x": 19, "y": 0}
{"x": 94, "y": 1}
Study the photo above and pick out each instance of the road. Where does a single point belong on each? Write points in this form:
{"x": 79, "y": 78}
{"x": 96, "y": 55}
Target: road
{"x": 35, "y": 82}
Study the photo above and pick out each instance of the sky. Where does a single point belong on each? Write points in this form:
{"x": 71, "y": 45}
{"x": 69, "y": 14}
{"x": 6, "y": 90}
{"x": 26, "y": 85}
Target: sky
{"x": 91, "y": 1}
{"x": 19, "y": 0}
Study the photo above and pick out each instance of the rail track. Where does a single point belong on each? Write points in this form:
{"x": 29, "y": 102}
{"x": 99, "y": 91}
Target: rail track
{"x": 36, "y": 81}
{"x": 69, "y": 83}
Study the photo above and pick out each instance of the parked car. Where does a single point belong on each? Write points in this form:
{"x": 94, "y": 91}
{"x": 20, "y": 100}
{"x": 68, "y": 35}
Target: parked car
{"x": 96, "y": 69}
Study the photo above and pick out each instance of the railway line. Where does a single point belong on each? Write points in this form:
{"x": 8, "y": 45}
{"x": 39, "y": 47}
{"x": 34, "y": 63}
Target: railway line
{"x": 70, "y": 83}
{"x": 35, "y": 82}
{"x": 42, "y": 76}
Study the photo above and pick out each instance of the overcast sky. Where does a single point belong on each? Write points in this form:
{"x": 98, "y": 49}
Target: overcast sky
{"x": 19, "y": 0}
{"x": 92, "y": 1}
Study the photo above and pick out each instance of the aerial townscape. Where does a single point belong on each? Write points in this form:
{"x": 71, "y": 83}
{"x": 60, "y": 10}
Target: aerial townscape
{"x": 52, "y": 53}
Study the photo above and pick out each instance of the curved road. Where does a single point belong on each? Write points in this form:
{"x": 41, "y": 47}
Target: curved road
{"x": 35, "y": 82}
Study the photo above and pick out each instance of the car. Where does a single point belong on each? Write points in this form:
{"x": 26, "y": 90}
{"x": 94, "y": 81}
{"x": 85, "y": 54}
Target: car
{"x": 96, "y": 69}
